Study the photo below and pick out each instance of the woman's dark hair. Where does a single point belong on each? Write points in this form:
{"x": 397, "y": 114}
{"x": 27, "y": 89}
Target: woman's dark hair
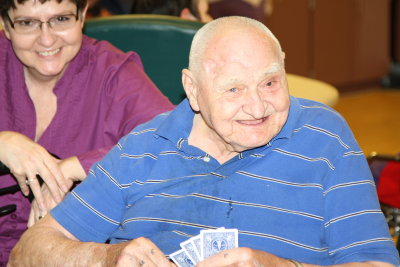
{"x": 6, "y": 5}
{"x": 162, "y": 7}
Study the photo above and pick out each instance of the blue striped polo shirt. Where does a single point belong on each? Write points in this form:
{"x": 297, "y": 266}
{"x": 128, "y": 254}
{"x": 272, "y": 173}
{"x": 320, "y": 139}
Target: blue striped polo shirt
{"x": 306, "y": 195}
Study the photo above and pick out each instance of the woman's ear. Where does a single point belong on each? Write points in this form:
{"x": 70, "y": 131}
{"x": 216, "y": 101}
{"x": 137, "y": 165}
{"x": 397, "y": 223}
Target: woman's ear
{"x": 191, "y": 88}
{"x": 83, "y": 14}
{"x": 5, "y": 27}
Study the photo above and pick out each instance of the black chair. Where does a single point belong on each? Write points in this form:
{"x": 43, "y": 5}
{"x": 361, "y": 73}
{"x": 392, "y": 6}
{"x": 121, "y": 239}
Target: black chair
{"x": 7, "y": 209}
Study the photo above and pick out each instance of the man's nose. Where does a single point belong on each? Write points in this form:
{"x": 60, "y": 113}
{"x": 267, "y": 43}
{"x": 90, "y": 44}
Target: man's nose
{"x": 47, "y": 36}
{"x": 254, "y": 104}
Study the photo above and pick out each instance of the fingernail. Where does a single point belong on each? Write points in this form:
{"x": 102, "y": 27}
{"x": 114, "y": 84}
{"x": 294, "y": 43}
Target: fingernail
{"x": 65, "y": 188}
{"x": 25, "y": 192}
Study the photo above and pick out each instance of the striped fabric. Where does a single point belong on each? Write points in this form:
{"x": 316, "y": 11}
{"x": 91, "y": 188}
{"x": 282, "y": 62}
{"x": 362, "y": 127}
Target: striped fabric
{"x": 306, "y": 195}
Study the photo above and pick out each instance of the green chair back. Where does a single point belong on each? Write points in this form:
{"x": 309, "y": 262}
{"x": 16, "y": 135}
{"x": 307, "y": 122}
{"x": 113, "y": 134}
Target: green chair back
{"x": 163, "y": 43}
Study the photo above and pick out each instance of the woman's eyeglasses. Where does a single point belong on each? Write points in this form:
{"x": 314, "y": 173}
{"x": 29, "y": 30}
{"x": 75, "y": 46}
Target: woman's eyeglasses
{"x": 56, "y": 23}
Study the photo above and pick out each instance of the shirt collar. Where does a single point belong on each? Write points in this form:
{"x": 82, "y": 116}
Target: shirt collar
{"x": 178, "y": 124}
{"x": 291, "y": 121}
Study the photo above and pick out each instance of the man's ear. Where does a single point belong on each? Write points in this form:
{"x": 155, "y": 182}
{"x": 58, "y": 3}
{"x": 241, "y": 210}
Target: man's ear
{"x": 191, "y": 88}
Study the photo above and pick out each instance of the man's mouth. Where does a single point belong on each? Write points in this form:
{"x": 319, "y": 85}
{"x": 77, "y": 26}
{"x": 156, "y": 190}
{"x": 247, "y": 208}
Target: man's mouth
{"x": 253, "y": 122}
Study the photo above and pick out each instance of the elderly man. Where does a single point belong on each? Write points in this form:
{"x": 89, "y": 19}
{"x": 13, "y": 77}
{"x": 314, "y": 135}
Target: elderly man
{"x": 239, "y": 153}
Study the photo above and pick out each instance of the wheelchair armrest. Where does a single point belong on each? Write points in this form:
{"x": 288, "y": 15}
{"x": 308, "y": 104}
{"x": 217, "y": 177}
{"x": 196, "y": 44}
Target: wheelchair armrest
{"x": 4, "y": 169}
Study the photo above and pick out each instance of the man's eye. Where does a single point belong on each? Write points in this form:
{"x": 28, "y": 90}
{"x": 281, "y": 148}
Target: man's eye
{"x": 269, "y": 84}
{"x": 233, "y": 90}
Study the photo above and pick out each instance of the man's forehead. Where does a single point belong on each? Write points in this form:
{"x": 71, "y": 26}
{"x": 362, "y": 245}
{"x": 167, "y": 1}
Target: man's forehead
{"x": 213, "y": 66}
{"x": 244, "y": 49}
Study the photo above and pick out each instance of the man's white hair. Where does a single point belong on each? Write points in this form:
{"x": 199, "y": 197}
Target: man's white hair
{"x": 202, "y": 38}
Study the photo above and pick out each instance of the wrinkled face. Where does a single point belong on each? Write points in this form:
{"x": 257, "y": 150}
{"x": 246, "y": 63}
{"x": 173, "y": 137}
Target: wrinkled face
{"x": 242, "y": 92}
{"x": 45, "y": 53}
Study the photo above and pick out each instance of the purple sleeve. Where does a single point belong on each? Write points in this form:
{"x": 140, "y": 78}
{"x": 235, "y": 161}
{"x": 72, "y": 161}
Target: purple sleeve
{"x": 131, "y": 98}
{"x": 87, "y": 159}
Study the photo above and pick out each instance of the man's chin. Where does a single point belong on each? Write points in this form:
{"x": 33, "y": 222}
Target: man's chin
{"x": 243, "y": 146}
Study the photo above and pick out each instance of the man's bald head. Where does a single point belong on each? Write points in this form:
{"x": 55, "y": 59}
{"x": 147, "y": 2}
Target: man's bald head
{"x": 206, "y": 38}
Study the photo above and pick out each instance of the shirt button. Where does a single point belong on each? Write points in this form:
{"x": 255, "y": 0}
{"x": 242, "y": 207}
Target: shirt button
{"x": 13, "y": 216}
{"x": 206, "y": 159}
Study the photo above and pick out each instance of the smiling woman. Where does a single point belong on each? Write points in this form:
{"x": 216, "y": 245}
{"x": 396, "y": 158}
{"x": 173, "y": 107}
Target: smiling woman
{"x": 45, "y": 49}
{"x": 63, "y": 93}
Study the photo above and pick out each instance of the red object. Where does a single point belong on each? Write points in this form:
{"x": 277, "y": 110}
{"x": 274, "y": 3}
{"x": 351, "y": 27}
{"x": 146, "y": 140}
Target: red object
{"x": 389, "y": 185}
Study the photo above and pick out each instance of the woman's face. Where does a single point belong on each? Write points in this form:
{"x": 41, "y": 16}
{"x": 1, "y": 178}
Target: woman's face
{"x": 46, "y": 52}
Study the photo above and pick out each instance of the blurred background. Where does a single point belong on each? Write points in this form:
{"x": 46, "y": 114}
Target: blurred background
{"x": 353, "y": 45}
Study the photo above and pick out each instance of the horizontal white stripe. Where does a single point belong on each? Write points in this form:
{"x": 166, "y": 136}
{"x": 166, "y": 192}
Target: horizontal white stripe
{"x": 350, "y": 184}
{"x": 360, "y": 243}
{"x": 139, "y": 156}
{"x": 291, "y": 154}
{"x": 279, "y": 181}
{"x": 353, "y": 153}
{"x": 143, "y": 131}
{"x": 350, "y": 215}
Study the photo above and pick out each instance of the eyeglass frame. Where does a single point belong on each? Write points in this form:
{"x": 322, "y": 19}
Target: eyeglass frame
{"x": 41, "y": 22}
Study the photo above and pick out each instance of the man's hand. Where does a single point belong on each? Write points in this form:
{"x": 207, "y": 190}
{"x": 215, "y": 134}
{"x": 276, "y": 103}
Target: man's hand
{"x": 240, "y": 257}
{"x": 138, "y": 252}
{"x": 26, "y": 159}
{"x": 244, "y": 257}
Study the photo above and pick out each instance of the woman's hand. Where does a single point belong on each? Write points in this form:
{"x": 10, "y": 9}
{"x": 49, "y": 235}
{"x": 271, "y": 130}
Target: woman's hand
{"x": 26, "y": 159}
{"x": 73, "y": 171}
{"x": 49, "y": 202}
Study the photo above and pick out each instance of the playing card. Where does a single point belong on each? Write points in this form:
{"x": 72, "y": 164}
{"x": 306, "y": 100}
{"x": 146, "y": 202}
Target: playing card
{"x": 190, "y": 250}
{"x": 181, "y": 259}
{"x": 214, "y": 241}
{"x": 196, "y": 240}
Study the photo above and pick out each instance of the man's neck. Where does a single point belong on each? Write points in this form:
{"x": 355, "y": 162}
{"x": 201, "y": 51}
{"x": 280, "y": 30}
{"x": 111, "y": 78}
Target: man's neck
{"x": 202, "y": 137}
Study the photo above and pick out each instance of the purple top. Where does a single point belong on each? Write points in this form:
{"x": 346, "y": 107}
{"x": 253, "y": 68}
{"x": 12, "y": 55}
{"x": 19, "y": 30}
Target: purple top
{"x": 103, "y": 94}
